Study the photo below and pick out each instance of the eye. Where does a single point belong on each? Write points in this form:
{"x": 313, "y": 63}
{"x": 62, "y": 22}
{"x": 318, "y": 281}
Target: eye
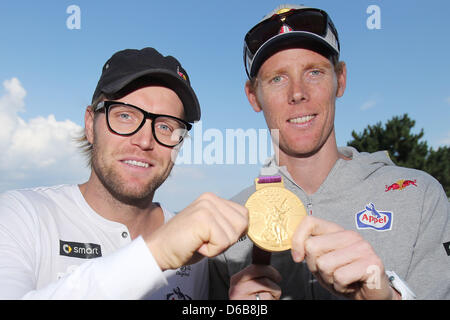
{"x": 124, "y": 116}
{"x": 314, "y": 74}
{"x": 164, "y": 127}
{"x": 276, "y": 79}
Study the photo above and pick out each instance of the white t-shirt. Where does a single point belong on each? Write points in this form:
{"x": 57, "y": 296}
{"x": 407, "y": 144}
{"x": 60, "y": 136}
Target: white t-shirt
{"x": 53, "y": 245}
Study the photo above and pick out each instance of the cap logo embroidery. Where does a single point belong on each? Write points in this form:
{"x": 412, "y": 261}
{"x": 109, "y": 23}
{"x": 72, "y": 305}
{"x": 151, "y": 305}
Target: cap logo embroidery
{"x": 181, "y": 74}
{"x": 285, "y": 29}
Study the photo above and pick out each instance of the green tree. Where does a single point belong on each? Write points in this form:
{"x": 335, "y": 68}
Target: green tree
{"x": 438, "y": 165}
{"x": 405, "y": 147}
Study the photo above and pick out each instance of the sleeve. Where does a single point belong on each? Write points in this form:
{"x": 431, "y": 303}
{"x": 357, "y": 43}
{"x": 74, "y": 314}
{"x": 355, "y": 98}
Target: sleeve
{"x": 18, "y": 245}
{"x": 429, "y": 274}
{"x": 128, "y": 273}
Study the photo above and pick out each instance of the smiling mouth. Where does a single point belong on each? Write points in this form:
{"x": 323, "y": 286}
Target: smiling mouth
{"x": 137, "y": 163}
{"x": 302, "y": 120}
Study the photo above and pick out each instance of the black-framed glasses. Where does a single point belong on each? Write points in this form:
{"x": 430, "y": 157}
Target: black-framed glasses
{"x": 126, "y": 119}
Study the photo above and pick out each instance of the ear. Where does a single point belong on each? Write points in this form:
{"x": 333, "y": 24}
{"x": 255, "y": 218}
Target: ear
{"x": 89, "y": 124}
{"x": 250, "y": 91}
{"x": 341, "y": 73}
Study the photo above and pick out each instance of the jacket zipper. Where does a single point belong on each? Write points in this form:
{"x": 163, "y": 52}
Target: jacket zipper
{"x": 312, "y": 280}
{"x": 309, "y": 207}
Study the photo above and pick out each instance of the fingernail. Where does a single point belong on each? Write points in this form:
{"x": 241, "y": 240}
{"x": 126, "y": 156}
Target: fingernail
{"x": 296, "y": 256}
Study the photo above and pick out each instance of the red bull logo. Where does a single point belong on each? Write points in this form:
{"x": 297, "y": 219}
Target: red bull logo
{"x": 181, "y": 74}
{"x": 401, "y": 184}
{"x": 371, "y": 218}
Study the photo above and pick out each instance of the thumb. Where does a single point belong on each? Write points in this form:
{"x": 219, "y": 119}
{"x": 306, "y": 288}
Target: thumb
{"x": 310, "y": 226}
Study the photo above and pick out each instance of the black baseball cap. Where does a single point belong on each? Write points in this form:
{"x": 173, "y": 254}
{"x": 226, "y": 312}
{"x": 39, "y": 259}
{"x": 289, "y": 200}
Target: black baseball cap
{"x": 147, "y": 65}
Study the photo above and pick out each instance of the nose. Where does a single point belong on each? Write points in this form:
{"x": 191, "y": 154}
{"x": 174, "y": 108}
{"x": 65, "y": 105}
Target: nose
{"x": 297, "y": 91}
{"x": 144, "y": 137}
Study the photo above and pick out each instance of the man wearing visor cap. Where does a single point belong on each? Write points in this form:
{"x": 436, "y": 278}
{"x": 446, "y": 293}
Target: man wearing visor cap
{"x": 351, "y": 236}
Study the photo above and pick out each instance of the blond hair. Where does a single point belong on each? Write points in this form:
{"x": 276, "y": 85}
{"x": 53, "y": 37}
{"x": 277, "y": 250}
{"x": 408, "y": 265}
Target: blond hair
{"x": 81, "y": 139}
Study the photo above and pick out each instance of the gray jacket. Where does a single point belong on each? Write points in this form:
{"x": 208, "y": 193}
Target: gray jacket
{"x": 411, "y": 232}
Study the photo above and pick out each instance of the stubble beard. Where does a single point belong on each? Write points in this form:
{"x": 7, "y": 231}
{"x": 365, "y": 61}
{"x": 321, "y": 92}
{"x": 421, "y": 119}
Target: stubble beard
{"x": 123, "y": 192}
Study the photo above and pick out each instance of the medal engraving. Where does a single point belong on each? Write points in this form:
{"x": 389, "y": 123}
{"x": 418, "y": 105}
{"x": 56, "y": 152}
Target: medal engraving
{"x": 274, "y": 214}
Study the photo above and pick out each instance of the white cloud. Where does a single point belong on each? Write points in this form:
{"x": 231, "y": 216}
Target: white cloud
{"x": 40, "y": 151}
{"x": 369, "y": 104}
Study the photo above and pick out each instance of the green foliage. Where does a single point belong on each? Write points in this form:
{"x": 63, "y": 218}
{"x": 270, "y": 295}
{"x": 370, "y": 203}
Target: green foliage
{"x": 405, "y": 148}
{"x": 438, "y": 165}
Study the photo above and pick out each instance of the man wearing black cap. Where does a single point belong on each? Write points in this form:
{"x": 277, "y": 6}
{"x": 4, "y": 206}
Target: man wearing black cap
{"x": 359, "y": 239}
{"x": 106, "y": 238}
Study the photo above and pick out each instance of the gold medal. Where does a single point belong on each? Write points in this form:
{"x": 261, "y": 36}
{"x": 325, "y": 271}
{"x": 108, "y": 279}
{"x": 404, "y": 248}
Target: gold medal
{"x": 274, "y": 214}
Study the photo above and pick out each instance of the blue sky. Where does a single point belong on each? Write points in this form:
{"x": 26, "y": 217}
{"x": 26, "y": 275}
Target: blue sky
{"x": 49, "y": 73}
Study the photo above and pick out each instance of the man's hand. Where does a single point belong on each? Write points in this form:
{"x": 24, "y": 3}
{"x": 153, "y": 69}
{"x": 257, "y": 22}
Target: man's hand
{"x": 255, "y": 279}
{"x": 341, "y": 260}
{"x": 206, "y": 227}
